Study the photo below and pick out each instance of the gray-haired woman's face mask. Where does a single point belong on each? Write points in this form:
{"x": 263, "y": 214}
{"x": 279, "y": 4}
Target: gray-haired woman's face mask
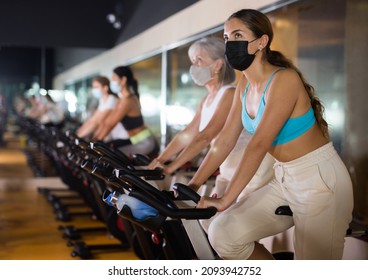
{"x": 201, "y": 75}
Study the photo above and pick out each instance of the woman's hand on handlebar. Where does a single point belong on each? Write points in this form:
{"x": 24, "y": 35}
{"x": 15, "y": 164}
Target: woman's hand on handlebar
{"x": 206, "y": 202}
{"x": 156, "y": 164}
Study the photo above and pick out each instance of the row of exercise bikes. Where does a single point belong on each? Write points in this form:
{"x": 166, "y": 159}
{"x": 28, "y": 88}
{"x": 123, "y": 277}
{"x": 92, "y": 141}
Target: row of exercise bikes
{"x": 134, "y": 203}
{"x": 141, "y": 208}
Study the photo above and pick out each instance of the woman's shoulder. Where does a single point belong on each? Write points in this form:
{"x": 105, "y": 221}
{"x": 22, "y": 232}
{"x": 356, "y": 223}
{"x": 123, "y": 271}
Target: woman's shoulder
{"x": 228, "y": 86}
{"x": 287, "y": 84}
{"x": 287, "y": 78}
{"x": 228, "y": 89}
{"x": 112, "y": 97}
{"x": 281, "y": 73}
{"x": 130, "y": 97}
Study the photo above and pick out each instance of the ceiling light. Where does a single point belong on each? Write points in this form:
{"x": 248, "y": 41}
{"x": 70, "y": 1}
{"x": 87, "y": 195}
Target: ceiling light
{"x": 111, "y": 18}
{"x": 117, "y": 24}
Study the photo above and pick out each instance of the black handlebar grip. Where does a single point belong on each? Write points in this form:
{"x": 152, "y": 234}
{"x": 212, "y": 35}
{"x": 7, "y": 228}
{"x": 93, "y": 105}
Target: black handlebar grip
{"x": 81, "y": 144}
{"x": 141, "y": 160}
{"x": 186, "y": 191}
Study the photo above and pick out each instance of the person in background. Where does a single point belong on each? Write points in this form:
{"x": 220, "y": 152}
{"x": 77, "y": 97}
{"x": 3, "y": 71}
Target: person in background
{"x": 210, "y": 70}
{"x": 3, "y": 117}
{"x": 33, "y": 110}
{"x": 21, "y": 105}
{"x": 50, "y": 113}
{"x": 44, "y": 110}
{"x": 279, "y": 108}
{"x": 107, "y": 101}
{"x": 127, "y": 112}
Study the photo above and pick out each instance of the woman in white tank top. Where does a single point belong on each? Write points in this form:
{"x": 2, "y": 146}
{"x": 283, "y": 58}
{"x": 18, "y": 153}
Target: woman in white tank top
{"x": 209, "y": 69}
{"x": 106, "y": 103}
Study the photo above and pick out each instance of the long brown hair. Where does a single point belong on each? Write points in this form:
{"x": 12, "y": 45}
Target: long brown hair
{"x": 132, "y": 83}
{"x": 104, "y": 81}
{"x": 259, "y": 24}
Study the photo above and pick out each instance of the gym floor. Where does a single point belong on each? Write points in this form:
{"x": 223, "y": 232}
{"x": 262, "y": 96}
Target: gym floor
{"x": 28, "y": 227}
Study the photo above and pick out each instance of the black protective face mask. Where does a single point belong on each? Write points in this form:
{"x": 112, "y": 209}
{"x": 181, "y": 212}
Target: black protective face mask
{"x": 237, "y": 54}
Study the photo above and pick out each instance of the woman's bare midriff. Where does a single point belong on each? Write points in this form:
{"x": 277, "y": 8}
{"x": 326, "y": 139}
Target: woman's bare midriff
{"x": 304, "y": 144}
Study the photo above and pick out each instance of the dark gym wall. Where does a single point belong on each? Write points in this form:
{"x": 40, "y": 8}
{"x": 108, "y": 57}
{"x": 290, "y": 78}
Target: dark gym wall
{"x": 70, "y": 30}
{"x": 67, "y": 23}
{"x": 23, "y": 65}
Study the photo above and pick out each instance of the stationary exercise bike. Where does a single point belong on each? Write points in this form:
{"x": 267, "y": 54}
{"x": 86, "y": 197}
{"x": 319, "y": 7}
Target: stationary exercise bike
{"x": 173, "y": 219}
{"x": 352, "y": 231}
{"x": 106, "y": 162}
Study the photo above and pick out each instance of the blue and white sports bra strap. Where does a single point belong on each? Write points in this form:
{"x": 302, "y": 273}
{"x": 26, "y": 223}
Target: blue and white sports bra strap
{"x": 270, "y": 79}
{"x": 267, "y": 84}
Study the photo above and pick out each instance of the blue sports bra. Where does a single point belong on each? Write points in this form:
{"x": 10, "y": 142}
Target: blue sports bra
{"x": 292, "y": 128}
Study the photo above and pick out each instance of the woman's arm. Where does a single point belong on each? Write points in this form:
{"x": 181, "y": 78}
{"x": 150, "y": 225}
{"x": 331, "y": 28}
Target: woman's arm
{"x": 222, "y": 146}
{"x": 122, "y": 108}
{"x": 92, "y": 123}
{"x": 280, "y": 102}
{"x": 39, "y": 111}
{"x": 180, "y": 141}
{"x": 204, "y": 138}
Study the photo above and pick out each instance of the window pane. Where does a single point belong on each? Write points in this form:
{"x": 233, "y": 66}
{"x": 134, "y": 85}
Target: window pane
{"x": 183, "y": 95}
{"x": 311, "y": 34}
{"x": 148, "y": 75}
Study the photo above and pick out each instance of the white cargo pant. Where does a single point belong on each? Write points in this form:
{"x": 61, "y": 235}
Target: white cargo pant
{"x": 263, "y": 175}
{"x": 318, "y": 189}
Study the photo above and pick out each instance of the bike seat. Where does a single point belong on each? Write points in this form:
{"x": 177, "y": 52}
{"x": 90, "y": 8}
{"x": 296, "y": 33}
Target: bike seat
{"x": 284, "y": 210}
